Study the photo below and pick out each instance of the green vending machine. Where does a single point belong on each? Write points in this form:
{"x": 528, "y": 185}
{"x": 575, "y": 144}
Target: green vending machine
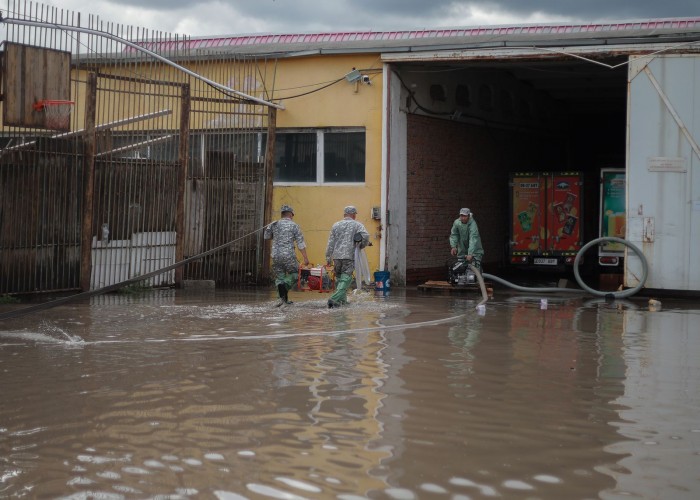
{"x": 613, "y": 220}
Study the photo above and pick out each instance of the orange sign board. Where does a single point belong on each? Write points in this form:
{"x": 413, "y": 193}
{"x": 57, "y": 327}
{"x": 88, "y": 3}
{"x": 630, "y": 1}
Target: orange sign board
{"x": 528, "y": 201}
{"x": 563, "y": 213}
{"x": 545, "y": 213}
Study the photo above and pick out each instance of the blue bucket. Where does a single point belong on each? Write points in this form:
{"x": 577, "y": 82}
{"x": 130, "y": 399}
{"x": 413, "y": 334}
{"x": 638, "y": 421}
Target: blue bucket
{"x": 382, "y": 282}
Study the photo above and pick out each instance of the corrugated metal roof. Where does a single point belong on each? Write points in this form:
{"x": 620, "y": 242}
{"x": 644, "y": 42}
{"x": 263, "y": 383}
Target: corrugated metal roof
{"x": 379, "y": 39}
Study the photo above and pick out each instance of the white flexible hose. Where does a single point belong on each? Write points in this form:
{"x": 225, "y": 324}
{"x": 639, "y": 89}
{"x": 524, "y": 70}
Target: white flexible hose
{"x": 598, "y": 293}
{"x": 621, "y": 294}
{"x": 482, "y": 285}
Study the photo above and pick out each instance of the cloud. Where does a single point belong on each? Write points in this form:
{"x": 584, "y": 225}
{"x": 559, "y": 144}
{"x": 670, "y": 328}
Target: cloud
{"x": 225, "y": 17}
{"x": 592, "y": 10}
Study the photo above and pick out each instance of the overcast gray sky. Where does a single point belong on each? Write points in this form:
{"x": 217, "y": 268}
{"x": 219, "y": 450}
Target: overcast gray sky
{"x": 226, "y": 17}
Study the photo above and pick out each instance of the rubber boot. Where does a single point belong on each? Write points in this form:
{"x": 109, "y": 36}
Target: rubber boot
{"x": 340, "y": 296}
{"x": 283, "y": 293}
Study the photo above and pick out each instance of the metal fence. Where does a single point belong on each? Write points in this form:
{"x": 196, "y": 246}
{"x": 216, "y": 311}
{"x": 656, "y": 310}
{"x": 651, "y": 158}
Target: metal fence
{"x": 157, "y": 166}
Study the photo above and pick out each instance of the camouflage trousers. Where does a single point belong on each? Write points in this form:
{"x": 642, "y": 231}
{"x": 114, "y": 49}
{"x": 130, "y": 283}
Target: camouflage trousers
{"x": 285, "y": 271}
{"x": 343, "y": 269}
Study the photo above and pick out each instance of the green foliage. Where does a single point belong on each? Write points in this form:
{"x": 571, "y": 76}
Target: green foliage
{"x": 136, "y": 288}
{"x": 8, "y": 299}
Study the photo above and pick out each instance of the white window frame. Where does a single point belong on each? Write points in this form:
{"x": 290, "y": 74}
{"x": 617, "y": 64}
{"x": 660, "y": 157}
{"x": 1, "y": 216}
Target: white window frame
{"x": 320, "y": 164}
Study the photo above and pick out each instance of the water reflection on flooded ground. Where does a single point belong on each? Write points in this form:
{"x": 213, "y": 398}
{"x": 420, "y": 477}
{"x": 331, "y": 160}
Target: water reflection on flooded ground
{"x": 220, "y": 394}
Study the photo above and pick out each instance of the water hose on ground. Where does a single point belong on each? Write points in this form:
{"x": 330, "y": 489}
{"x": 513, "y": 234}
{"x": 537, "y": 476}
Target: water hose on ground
{"x": 121, "y": 284}
{"x": 482, "y": 285}
{"x": 585, "y": 288}
{"x": 618, "y": 294}
{"x": 479, "y": 276}
{"x": 552, "y": 289}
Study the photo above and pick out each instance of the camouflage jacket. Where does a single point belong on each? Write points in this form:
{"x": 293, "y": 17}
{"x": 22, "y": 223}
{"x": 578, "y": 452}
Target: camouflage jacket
{"x": 340, "y": 242}
{"x": 284, "y": 233}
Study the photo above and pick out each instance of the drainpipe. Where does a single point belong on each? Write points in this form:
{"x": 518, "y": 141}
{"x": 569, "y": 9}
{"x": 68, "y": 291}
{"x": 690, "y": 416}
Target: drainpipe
{"x": 385, "y": 166}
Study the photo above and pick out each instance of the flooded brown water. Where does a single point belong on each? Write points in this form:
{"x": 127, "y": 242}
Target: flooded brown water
{"x": 183, "y": 394}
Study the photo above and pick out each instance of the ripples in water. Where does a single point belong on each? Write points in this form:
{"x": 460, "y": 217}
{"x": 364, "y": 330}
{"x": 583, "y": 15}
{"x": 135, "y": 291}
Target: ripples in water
{"x": 227, "y": 396}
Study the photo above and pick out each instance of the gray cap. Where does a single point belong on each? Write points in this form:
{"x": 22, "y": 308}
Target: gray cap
{"x": 287, "y": 208}
{"x": 465, "y": 211}
{"x": 350, "y": 210}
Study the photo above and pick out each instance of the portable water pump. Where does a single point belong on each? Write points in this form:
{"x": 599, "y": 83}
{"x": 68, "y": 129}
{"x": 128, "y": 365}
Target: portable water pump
{"x": 459, "y": 273}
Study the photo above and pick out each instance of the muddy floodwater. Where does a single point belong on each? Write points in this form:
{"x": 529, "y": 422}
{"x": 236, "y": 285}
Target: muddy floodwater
{"x": 218, "y": 394}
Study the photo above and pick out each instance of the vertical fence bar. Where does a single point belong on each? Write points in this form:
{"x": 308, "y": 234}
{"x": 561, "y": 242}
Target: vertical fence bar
{"x": 183, "y": 160}
{"x": 88, "y": 181}
{"x": 269, "y": 173}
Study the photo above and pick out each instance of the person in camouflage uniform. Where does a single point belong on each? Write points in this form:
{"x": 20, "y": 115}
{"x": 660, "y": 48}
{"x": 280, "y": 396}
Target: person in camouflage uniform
{"x": 285, "y": 266}
{"x": 345, "y": 235}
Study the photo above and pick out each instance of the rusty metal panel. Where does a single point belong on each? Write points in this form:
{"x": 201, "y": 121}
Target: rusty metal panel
{"x": 31, "y": 74}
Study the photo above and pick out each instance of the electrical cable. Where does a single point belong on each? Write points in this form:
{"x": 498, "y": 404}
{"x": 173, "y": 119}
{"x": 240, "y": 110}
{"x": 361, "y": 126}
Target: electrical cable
{"x": 326, "y": 86}
{"x": 312, "y": 91}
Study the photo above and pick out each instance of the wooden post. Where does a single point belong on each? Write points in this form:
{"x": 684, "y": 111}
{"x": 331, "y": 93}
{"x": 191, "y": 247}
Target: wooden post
{"x": 88, "y": 182}
{"x": 269, "y": 176}
{"x": 183, "y": 160}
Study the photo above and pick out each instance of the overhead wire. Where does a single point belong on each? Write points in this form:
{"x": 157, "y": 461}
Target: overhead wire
{"x": 313, "y": 91}
{"x": 65, "y": 30}
{"x": 224, "y": 89}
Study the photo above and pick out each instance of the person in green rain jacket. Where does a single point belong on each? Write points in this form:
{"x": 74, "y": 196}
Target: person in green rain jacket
{"x": 465, "y": 240}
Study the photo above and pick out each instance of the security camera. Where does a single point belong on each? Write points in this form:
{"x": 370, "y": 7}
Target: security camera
{"x": 365, "y": 79}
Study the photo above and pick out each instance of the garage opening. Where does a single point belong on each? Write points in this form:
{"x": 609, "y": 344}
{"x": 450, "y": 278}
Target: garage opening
{"x": 473, "y": 124}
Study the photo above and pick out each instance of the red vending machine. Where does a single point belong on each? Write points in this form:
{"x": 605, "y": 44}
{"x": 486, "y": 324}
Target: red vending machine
{"x": 527, "y": 227}
{"x": 546, "y": 210}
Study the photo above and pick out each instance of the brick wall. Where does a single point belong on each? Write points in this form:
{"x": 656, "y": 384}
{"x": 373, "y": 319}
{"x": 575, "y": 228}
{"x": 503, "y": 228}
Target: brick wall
{"x": 453, "y": 165}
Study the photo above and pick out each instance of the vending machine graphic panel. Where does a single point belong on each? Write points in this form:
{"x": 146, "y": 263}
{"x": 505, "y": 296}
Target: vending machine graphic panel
{"x": 546, "y": 211}
{"x": 612, "y": 210}
{"x": 527, "y": 202}
{"x": 563, "y": 213}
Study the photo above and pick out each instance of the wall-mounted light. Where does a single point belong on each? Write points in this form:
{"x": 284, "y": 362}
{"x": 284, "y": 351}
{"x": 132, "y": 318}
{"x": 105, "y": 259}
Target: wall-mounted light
{"x": 353, "y": 76}
{"x": 356, "y": 77}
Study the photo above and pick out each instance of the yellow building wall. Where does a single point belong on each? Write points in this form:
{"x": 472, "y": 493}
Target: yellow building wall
{"x": 343, "y": 104}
